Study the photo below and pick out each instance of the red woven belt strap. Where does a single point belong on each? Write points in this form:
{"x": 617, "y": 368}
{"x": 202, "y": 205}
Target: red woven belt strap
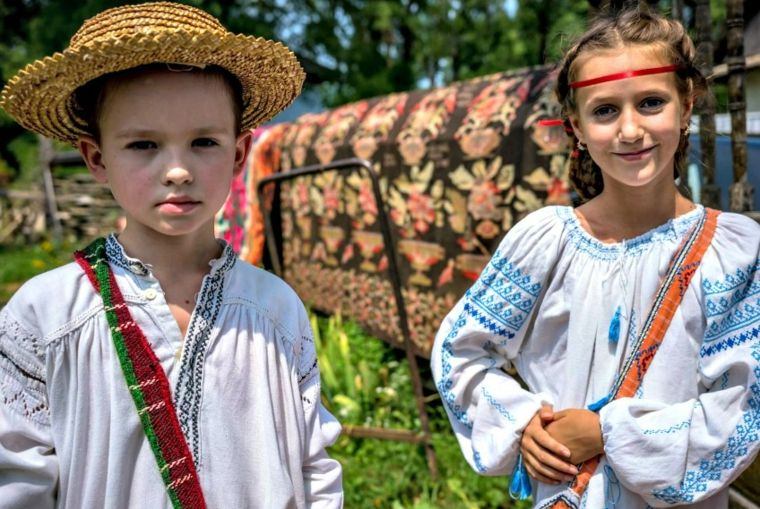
{"x": 682, "y": 268}
{"x": 147, "y": 383}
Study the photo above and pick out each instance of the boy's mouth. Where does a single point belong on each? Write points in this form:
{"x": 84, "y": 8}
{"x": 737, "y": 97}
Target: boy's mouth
{"x": 177, "y": 205}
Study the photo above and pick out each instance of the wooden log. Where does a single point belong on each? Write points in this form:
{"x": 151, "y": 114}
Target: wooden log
{"x": 710, "y": 191}
{"x": 741, "y": 192}
{"x": 401, "y": 435}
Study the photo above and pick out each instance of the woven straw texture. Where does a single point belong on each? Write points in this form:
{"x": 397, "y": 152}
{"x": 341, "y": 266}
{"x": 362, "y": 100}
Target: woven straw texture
{"x": 39, "y": 97}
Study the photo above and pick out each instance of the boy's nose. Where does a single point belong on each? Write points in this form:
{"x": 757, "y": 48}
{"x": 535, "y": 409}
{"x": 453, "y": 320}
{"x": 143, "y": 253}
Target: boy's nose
{"x": 177, "y": 175}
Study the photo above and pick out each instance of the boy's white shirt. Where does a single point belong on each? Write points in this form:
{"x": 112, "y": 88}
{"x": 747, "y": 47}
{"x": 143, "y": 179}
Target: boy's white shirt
{"x": 246, "y": 389}
{"x": 544, "y": 305}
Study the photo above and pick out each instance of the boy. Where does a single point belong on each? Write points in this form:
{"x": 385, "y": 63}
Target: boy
{"x": 159, "y": 370}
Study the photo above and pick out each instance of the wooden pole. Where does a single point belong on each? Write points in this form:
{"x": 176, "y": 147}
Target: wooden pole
{"x": 740, "y": 192}
{"x": 46, "y": 156}
{"x": 710, "y": 192}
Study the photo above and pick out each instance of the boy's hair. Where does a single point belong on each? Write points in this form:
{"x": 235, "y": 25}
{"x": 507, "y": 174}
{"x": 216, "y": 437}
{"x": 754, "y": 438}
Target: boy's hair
{"x": 635, "y": 27}
{"x": 88, "y": 100}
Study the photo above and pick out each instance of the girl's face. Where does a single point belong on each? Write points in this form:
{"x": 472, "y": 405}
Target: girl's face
{"x": 631, "y": 127}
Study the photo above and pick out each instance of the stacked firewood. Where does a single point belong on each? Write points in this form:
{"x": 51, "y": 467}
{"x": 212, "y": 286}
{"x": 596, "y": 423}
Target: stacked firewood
{"x": 86, "y": 208}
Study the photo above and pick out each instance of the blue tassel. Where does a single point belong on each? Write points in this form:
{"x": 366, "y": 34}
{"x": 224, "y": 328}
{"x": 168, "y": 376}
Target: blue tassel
{"x": 614, "y": 333}
{"x": 519, "y": 486}
{"x": 598, "y": 405}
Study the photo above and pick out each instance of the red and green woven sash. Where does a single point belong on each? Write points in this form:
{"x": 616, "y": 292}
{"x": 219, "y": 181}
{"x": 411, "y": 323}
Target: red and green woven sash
{"x": 667, "y": 300}
{"x": 147, "y": 384}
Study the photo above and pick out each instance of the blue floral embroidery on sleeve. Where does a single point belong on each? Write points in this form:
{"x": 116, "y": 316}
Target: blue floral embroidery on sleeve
{"x": 711, "y": 470}
{"x": 732, "y": 309}
{"x": 500, "y": 302}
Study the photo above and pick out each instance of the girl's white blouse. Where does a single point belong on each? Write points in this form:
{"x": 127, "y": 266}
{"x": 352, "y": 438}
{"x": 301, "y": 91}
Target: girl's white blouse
{"x": 244, "y": 380}
{"x": 545, "y": 304}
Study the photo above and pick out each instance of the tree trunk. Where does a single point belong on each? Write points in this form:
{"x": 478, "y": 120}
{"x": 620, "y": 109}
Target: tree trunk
{"x": 741, "y": 190}
{"x": 676, "y": 10}
{"x": 710, "y": 192}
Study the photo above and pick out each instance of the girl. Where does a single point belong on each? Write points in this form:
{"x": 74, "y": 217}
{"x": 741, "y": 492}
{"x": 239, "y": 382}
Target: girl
{"x": 637, "y": 313}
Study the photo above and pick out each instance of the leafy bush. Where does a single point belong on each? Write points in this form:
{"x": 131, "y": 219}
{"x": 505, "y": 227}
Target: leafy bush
{"x": 366, "y": 382}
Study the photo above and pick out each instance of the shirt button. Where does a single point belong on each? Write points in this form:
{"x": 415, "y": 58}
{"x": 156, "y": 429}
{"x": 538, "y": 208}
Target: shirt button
{"x": 150, "y": 294}
{"x": 136, "y": 267}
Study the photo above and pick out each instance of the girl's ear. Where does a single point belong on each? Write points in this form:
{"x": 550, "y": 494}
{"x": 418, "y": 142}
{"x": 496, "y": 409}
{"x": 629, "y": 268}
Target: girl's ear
{"x": 688, "y": 106}
{"x": 577, "y": 128}
{"x": 93, "y": 157}
{"x": 242, "y": 149}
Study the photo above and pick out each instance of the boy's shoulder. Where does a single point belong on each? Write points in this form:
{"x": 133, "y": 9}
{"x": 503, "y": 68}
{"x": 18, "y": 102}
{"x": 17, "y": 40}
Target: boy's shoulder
{"x": 253, "y": 286}
{"x": 53, "y": 300}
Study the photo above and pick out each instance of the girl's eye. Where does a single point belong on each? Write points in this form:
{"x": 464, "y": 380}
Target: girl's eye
{"x": 142, "y": 145}
{"x": 652, "y": 103}
{"x": 604, "y": 112}
{"x": 204, "y": 142}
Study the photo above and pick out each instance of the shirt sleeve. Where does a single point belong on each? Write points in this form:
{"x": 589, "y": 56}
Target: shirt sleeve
{"x": 487, "y": 408}
{"x": 28, "y": 464}
{"x": 696, "y": 448}
{"x": 322, "y": 475}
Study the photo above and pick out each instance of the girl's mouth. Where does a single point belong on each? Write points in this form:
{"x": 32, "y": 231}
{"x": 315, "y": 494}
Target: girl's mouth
{"x": 637, "y": 155}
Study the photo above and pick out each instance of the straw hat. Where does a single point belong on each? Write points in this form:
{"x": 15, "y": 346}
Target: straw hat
{"x": 39, "y": 97}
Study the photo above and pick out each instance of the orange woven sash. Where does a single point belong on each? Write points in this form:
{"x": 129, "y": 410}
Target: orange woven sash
{"x": 682, "y": 268}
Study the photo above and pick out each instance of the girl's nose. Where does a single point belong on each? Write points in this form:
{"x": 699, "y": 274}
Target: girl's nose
{"x": 630, "y": 127}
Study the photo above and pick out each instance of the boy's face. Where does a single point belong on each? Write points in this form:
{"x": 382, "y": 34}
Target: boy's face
{"x": 168, "y": 149}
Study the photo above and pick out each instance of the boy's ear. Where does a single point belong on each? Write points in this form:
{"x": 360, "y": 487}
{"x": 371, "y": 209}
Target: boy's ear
{"x": 93, "y": 157}
{"x": 242, "y": 149}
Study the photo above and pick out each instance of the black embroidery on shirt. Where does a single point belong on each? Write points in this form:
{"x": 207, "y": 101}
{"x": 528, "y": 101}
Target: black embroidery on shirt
{"x": 187, "y": 398}
{"x": 22, "y": 376}
{"x": 117, "y": 256}
{"x": 20, "y": 370}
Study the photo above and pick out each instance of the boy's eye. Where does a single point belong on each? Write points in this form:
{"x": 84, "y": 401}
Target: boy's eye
{"x": 142, "y": 145}
{"x": 652, "y": 103}
{"x": 604, "y": 111}
{"x": 204, "y": 142}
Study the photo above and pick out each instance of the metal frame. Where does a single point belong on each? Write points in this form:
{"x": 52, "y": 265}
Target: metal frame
{"x": 364, "y": 166}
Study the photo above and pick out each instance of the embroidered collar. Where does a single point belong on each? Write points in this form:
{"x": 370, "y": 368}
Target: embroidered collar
{"x": 118, "y": 256}
{"x": 671, "y": 231}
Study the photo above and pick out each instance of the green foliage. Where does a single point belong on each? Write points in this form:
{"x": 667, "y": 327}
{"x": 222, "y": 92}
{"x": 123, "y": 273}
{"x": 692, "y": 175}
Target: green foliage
{"x": 18, "y": 264}
{"x": 366, "y": 382}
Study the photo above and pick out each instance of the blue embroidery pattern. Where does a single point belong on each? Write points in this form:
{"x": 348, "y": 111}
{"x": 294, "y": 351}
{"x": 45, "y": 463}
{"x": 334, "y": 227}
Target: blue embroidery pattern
{"x": 671, "y": 231}
{"x": 672, "y": 429}
{"x": 711, "y": 470}
{"x": 498, "y": 406}
{"x": 500, "y": 302}
{"x": 733, "y": 310}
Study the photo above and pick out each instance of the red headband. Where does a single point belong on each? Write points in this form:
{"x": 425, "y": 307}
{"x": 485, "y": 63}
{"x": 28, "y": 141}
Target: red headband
{"x": 624, "y": 75}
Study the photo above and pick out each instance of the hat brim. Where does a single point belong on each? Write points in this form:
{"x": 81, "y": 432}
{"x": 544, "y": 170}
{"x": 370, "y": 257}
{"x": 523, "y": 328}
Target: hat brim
{"x": 39, "y": 96}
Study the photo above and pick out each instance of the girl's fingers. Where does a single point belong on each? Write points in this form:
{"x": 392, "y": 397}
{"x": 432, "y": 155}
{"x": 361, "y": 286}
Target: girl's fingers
{"x": 545, "y": 440}
{"x": 543, "y": 472}
{"x": 535, "y": 475}
{"x": 546, "y": 413}
{"x": 549, "y": 460}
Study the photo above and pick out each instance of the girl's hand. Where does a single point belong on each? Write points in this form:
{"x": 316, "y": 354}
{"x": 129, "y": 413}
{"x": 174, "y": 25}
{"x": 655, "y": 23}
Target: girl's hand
{"x": 545, "y": 458}
{"x": 580, "y": 431}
